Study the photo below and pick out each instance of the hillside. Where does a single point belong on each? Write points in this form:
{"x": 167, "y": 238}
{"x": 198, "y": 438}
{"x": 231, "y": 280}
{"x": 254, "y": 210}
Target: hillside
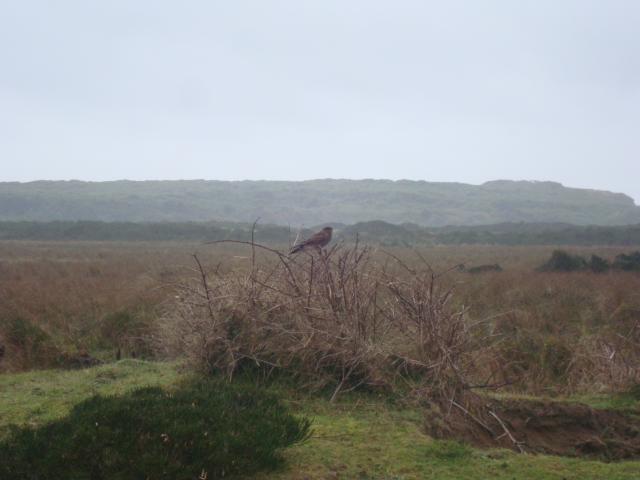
{"x": 315, "y": 201}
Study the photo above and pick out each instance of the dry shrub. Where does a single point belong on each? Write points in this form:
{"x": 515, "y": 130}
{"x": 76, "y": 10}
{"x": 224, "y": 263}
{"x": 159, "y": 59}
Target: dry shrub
{"x": 338, "y": 319}
{"x": 329, "y": 318}
{"x": 610, "y": 359}
{"x": 25, "y": 345}
{"x": 126, "y": 332}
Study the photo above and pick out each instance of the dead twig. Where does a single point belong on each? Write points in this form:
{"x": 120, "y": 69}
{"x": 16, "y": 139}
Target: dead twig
{"x": 518, "y": 444}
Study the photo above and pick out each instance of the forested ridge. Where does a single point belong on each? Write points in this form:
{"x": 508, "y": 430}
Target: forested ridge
{"x": 314, "y": 202}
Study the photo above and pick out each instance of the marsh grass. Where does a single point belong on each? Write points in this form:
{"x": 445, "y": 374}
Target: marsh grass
{"x": 559, "y": 332}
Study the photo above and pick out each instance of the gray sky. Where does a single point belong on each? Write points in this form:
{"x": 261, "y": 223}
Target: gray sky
{"x": 463, "y": 91}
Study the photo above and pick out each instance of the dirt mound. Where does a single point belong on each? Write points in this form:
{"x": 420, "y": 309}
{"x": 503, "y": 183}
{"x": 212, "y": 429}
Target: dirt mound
{"x": 567, "y": 429}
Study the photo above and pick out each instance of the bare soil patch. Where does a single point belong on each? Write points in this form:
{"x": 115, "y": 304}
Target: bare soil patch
{"x": 546, "y": 427}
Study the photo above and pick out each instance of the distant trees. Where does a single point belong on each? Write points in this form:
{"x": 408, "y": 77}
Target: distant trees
{"x": 598, "y": 264}
{"x": 375, "y": 232}
{"x": 630, "y": 262}
{"x": 562, "y": 261}
{"x": 485, "y": 268}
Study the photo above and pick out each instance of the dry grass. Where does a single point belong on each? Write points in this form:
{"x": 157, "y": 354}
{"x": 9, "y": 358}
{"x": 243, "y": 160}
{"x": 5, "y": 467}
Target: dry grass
{"x": 348, "y": 318}
{"x": 549, "y": 332}
{"x": 569, "y": 332}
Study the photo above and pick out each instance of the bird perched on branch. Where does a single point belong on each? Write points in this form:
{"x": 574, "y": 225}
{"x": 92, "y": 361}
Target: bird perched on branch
{"x": 317, "y": 240}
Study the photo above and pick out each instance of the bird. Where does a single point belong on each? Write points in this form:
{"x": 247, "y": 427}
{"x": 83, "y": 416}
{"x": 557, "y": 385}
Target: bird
{"x": 317, "y": 240}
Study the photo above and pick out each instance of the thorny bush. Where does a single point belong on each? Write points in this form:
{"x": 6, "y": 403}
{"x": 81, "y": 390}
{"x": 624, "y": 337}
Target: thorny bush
{"x": 330, "y": 318}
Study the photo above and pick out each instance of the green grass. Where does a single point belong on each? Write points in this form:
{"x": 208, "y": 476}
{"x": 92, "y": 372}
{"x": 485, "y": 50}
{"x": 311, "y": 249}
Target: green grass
{"x": 368, "y": 439}
{"x": 36, "y": 397}
{"x": 623, "y": 401}
{"x": 359, "y": 437}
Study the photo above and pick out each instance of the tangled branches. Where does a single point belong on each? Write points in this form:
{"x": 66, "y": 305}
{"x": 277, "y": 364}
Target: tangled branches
{"x": 331, "y": 318}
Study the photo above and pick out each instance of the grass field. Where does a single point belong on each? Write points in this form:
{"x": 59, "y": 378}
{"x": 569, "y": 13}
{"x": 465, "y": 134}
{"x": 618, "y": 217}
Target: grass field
{"x": 101, "y": 296}
{"x": 559, "y": 335}
{"x": 360, "y": 436}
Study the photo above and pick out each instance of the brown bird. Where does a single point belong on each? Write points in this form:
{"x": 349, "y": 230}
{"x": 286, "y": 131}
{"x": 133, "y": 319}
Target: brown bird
{"x": 317, "y": 240}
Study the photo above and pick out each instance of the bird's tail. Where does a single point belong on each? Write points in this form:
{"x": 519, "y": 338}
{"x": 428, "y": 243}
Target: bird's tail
{"x": 296, "y": 249}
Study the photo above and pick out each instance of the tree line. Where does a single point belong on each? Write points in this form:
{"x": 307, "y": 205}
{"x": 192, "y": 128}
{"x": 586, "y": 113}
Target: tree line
{"x": 378, "y": 232}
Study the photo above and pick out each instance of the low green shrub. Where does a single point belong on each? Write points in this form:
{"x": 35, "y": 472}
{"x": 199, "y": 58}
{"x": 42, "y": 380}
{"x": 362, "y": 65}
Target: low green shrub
{"x": 562, "y": 261}
{"x": 629, "y": 262}
{"x": 634, "y": 392}
{"x": 598, "y": 264}
{"x": 209, "y": 429}
{"x": 125, "y": 331}
{"x": 27, "y": 344}
{"x": 485, "y": 268}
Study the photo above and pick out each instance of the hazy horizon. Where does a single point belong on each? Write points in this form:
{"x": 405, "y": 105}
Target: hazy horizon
{"x": 461, "y": 91}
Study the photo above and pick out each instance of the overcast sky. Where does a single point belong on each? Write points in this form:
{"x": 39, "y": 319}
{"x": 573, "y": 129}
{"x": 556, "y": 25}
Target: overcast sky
{"x": 465, "y": 91}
